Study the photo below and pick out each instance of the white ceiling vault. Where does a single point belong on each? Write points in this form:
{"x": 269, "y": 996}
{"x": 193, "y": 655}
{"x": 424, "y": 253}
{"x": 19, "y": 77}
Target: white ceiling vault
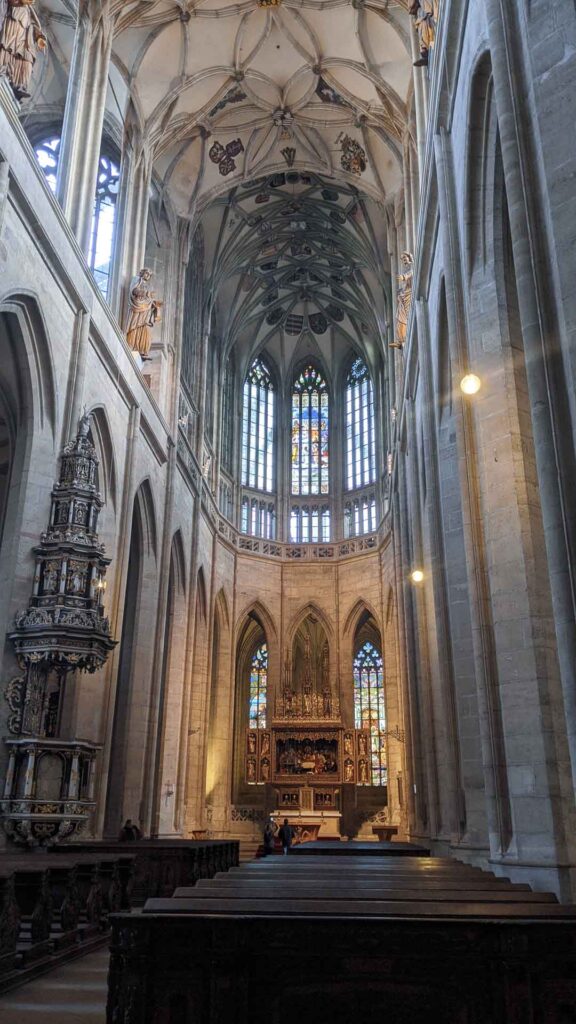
{"x": 224, "y": 92}
{"x": 280, "y": 129}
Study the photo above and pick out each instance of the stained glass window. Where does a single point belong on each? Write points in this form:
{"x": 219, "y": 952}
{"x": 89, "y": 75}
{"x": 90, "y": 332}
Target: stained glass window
{"x": 360, "y": 434}
{"x": 103, "y": 220}
{"x": 258, "y": 688}
{"x": 310, "y": 433}
{"x": 258, "y": 418}
{"x": 369, "y": 710}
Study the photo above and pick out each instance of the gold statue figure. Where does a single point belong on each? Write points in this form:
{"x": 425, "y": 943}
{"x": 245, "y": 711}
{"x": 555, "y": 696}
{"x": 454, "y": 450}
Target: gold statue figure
{"x": 144, "y": 314}
{"x": 404, "y": 296}
{"x": 425, "y": 13}
{"x": 21, "y": 36}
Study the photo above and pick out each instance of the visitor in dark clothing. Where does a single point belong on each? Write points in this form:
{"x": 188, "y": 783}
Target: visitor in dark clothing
{"x": 129, "y": 832}
{"x": 286, "y": 834}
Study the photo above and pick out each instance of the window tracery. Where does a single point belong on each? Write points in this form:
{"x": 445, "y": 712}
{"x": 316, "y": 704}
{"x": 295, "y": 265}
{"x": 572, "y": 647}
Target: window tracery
{"x": 103, "y": 222}
{"x": 360, "y": 433}
{"x": 104, "y": 213}
{"x": 309, "y": 524}
{"x": 310, "y": 425}
{"x": 258, "y": 688}
{"x": 369, "y": 707}
{"x": 258, "y": 423}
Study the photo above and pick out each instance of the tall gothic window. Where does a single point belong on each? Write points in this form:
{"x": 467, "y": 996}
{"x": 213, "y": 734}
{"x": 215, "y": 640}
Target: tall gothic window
{"x": 310, "y": 433}
{"x": 360, "y": 434}
{"x": 228, "y": 417}
{"x": 258, "y": 421}
{"x": 258, "y": 688}
{"x": 369, "y": 710}
{"x": 103, "y": 221}
{"x": 104, "y": 215}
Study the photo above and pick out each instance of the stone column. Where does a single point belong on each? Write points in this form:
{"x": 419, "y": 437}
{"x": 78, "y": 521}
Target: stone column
{"x": 493, "y": 747}
{"x": 131, "y": 217}
{"x": 84, "y": 116}
{"x": 4, "y": 186}
{"x": 545, "y": 374}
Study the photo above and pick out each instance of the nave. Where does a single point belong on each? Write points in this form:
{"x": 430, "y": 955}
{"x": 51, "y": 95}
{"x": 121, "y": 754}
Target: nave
{"x": 340, "y": 932}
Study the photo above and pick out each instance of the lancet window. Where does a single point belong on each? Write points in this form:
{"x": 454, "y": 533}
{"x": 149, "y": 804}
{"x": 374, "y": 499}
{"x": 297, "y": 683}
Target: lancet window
{"x": 258, "y": 425}
{"x": 104, "y": 214}
{"x": 360, "y": 432}
{"x": 369, "y": 709}
{"x": 103, "y": 222}
{"x": 258, "y": 688}
{"x": 310, "y": 424}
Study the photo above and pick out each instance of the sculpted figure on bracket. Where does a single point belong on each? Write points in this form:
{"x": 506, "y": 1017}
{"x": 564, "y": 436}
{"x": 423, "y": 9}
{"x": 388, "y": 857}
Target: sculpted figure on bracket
{"x": 21, "y": 36}
{"x": 404, "y": 296}
{"x": 425, "y": 14}
{"x": 144, "y": 314}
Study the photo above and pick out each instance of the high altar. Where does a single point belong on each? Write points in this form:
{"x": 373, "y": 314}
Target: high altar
{"x": 307, "y": 753}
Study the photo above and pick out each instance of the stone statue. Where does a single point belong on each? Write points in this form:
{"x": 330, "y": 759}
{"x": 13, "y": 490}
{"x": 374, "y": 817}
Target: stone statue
{"x": 404, "y": 299}
{"x": 425, "y": 14}
{"x": 84, "y": 423}
{"x": 21, "y": 36}
{"x": 327, "y": 702}
{"x": 144, "y": 314}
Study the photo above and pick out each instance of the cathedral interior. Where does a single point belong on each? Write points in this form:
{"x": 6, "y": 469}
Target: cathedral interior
{"x": 287, "y": 486}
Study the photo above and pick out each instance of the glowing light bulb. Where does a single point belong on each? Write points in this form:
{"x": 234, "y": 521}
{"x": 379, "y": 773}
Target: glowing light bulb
{"x": 417, "y": 576}
{"x": 470, "y": 384}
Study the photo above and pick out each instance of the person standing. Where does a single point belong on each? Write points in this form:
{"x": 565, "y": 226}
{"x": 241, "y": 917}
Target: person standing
{"x": 286, "y": 836}
{"x": 269, "y": 837}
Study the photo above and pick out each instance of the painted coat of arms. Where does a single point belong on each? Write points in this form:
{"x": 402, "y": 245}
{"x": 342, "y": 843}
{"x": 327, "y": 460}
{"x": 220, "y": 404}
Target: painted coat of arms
{"x": 353, "y": 156}
{"x": 224, "y": 155}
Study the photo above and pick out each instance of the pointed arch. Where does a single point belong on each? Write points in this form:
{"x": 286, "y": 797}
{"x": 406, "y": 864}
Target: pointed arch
{"x": 257, "y": 611}
{"x": 144, "y": 508}
{"x": 178, "y": 559}
{"x": 221, "y": 609}
{"x": 201, "y": 599}
{"x": 103, "y": 442}
{"x": 28, "y": 342}
{"x": 483, "y": 127}
{"x": 360, "y": 612}
{"x": 297, "y": 620}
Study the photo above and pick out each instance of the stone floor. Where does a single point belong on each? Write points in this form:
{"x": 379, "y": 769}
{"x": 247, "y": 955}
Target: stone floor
{"x": 72, "y": 994}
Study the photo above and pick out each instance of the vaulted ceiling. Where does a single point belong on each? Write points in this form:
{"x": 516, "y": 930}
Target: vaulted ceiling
{"x": 224, "y": 92}
{"x": 296, "y": 254}
{"x": 279, "y": 127}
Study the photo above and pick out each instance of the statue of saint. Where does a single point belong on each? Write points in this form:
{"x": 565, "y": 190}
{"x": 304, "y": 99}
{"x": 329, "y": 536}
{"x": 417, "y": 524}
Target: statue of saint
{"x": 21, "y": 36}
{"x": 404, "y": 295}
{"x": 144, "y": 314}
{"x": 425, "y": 14}
{"x": 327, "y": 702}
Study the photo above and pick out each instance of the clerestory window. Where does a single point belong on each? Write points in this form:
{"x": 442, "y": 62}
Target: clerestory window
{"x": 310, "y": 426}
